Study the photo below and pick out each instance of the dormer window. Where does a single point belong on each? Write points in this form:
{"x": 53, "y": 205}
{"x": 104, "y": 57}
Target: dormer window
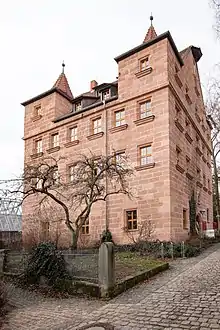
{"x": 78, "y": 106}
{"x": 144, "y": 64}
{"x": 106, "y": 94}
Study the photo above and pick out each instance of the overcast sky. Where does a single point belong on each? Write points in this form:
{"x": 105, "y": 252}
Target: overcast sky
{"x": 37, "y": 35}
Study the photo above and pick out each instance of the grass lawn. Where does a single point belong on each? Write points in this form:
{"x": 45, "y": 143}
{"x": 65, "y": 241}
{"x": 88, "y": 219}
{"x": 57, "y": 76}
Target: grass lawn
{"x": 130, "y": 263}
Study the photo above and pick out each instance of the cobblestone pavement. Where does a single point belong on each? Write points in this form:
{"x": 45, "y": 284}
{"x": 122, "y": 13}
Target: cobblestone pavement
{"x": 185, "y": 297}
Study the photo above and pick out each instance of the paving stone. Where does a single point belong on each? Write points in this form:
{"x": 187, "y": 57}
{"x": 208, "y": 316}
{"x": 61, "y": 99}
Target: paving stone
{"x": 186, "y": 296}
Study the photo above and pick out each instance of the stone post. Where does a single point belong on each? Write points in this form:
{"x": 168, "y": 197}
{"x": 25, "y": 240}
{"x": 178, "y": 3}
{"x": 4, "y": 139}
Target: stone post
{"x": 106, "y": 268}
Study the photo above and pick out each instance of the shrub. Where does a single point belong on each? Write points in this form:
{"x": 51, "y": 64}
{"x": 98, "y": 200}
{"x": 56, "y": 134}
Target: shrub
{"x": 45, "y": 260}
{"x": 3, "y": 301}
{"x": 153, "y": 249}
{"x": 106, "y": 236}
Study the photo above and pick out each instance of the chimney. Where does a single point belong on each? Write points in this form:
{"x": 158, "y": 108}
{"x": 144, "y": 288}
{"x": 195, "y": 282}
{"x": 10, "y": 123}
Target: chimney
{"x": 93, "y": 84}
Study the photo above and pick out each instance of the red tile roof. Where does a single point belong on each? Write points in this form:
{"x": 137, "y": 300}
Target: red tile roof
{"x": 63, "y": 85}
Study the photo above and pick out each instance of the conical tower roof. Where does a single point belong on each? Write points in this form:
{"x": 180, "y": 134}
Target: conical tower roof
{"x": 151, "y": 33}
{"x": 62, "y": 83}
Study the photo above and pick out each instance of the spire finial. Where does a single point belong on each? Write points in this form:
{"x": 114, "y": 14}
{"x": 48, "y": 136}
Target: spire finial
{"x": 63, "y": 65}
{"x": 151, "y": 19}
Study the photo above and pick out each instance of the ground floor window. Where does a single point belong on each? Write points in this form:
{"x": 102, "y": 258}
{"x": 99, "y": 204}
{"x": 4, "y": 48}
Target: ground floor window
{"x": 131, "y": 219}
{"x": 45, "y": 230}
{"x": 185, "y": 220}
{"x": 85, "y": 228}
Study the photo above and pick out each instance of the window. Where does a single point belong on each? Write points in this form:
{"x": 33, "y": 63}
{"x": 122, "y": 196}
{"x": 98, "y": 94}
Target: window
{"x": 187, "y": 163}
{"x": 198, "y": 172}
{"x": 71, "y": 173}
{"x": 39, "y": 183}
{"x": 209, "y": 185}
{"x": 38, "y": 146}
{"x": 120, "y": 158}
{"x": 144, "y": 64}
{"x": 145, "y": 155}
{"x": 97, "y": 167}
{"x": 55, "y": 176}
{"x": 178, "y": 152}
{"x": 78, "y": 106}
{"x": 185, "y": 222}
{"x": 145, "y": 109}
{"x": 204, "y": 180}
{"x": 37, "y": 110}
{"x": 45, "y": 230}
{"x": 55, "y": 140}
{"x": 119, "y": 118}
{"x": 85, "y": 228}
{"x": 73, "y": 133}
{"x": 207, "y": 214}
{"x": 106, "y": 94}
{"x": 97, "y": 125}
{"x": 131, "y": 219}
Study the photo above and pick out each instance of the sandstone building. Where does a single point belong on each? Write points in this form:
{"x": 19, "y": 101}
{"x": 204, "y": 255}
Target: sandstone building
{"x": 154, "y": 113}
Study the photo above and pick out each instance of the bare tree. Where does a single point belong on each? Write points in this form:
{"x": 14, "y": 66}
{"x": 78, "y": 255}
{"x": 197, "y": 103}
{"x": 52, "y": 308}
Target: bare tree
{"x": 213, "y": 112}
{"x": 77, "y": 192}
{"x": 215, "y": 4}
{"x": 144, "y": 232}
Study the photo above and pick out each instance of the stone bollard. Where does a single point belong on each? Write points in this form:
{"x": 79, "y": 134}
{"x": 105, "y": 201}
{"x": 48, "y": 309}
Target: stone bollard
{"x": 106, "y": 268}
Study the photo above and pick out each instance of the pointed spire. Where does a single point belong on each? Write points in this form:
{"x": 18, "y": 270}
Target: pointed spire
{"x": 62, "y": 83}
{"x": 151, "y": 33}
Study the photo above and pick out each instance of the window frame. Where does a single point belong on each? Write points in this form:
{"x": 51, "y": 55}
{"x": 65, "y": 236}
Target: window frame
{"x": 78, "y": 106}
{"x": 148, "y": 145}
{"x": 56, "y": 177}
{"x": 185, "y": 221}
{"x": 121, "y": 120}
{"x": 45, "y": 230}
{"x": 38, "y": 149}
{"x": 70, "y": 174}
{"x": 70, "y": 135}
{"x": 143, "y": 60}
{"x": 109, "y": 94}
{"x": 132, "y": 220}
{"x": 144, "y": 103}
{"x": 37, "y": 110}
{"x": 55, "y": 144}
{"x": 85, "y": 229}
{"x": 98, "y": 129}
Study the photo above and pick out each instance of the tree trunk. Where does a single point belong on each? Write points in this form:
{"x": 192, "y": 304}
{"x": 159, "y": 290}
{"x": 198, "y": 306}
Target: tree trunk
{"x": 217, "y": 202}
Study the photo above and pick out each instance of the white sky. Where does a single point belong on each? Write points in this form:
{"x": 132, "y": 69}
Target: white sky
{"x": 36, "y": 35}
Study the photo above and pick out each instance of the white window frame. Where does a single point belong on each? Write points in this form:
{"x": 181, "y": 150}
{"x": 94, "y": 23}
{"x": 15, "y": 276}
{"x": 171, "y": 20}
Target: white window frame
{"x": 146, "y": 155}
{"x": 39, "y": 146}
{"x": 73, "y": 133}
{"x": 145, "y": 111}
{"x": 97, "y": 125}
{"x": 121, "y": 120}
{"x": 106, "y": 94}
{"x": 55, "y": 140}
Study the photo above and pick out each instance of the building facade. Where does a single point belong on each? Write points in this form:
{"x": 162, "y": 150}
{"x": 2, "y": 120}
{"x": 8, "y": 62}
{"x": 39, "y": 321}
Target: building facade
{"x": 154, "y": 113}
